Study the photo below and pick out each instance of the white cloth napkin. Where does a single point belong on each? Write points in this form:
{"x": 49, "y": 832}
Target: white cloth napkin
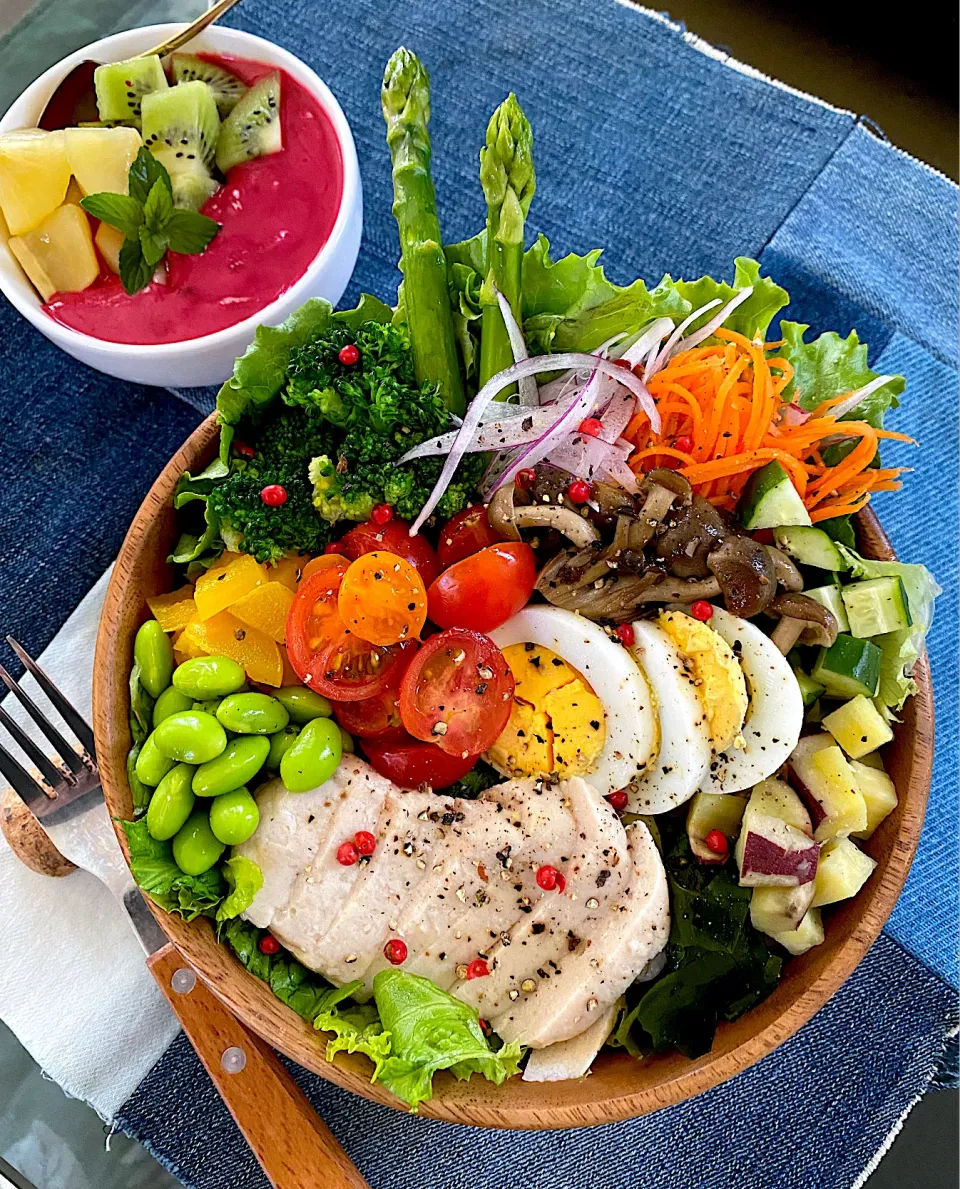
{"x": 73, "y": 985}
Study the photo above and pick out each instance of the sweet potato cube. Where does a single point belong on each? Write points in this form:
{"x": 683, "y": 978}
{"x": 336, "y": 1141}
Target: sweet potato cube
{"x": 858, "y": 727}
{"x": 807, "y": 934}
{"x": 223, "y": 585}
{"x": 225, "y": 635}
{"x": 266, "y": 608}
{"x": 878, "y": 791}
{"x": 173, "y": 611}
{"x": 837, "y": 792}
{"x": 842, "y": 871}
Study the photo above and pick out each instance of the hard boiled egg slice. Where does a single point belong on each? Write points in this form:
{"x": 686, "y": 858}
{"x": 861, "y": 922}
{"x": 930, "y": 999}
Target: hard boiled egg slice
{"x": 774, "y": 714}
{"x": 716, "y": 672}
{"x": 630, "y": 723}
{"x": 684, "y": 755}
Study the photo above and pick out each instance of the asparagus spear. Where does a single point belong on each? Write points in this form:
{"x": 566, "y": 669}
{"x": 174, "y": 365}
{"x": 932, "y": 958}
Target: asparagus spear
{"x": 508, "y": 180}
{"x": 405, "y": 99}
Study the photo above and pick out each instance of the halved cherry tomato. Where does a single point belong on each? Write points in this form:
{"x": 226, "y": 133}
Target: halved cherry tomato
{"x": 410, "y": 762}
{"x": 457, "y": 692}
{"x": 468, "y": 532}
{"x": 382, "y": 598}
{"x": 483, "y": 591}
{"x": 378, "y": 717}
{"x": 393, "y": 536}
{"x": 324, "y": 653}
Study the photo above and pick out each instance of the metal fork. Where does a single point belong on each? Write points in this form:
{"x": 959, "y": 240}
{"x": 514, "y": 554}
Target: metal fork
{"x": 293, "y": 1145}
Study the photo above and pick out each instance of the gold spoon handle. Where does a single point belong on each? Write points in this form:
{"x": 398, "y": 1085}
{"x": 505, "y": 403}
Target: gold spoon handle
{"x": 195, "y": 27}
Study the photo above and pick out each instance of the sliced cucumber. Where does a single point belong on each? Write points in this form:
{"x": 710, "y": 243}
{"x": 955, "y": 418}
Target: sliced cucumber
{"x": 770, "y": 500}
{"x": 810, "y": 690}
{"x": 830, "y": 597}
{"x": 849, "y": 667}
{"x": 876, "y": 606}
{"x": 810, "y": 547}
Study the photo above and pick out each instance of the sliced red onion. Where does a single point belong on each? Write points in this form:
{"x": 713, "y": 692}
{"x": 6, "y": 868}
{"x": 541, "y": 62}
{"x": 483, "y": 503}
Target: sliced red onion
{"x": 654, "y": 334}
{"x": 616, "y": 417}
{"x": 848, "y": 405}
{"x": 715, "y": 322}
{"x": 495, "y": 385}
{"x": 527, "y": 386}
{"x": 792, "y": 415}
{"x": 664, "y": 354}
{"x": 617, "y": 469}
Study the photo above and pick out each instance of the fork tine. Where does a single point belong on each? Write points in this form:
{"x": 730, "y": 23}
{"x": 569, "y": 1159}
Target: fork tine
{"x": 66, "y": 752}
{"x": 52, "y": 773}
{"x": 69, "y": 715}
{"x": 21, "y": 781}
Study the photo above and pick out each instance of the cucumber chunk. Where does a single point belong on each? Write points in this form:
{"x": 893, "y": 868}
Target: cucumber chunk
{"x": 876, "y": 606}
{"x": 770, "y": 500}
{"x": 810, "y": 546}
{"x": 810, "y": 690}
{"x": 830, "y": 597}
{"x": 849, "y": 667}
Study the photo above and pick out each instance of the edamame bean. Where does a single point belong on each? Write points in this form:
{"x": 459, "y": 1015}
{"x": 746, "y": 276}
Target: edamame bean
{"x": 190, "y": 737}
{"x": 314, "y": 756}
{"x": 303, "y": 704}
{"x": 346, "y": 742}
{"x": 171, "y": 803}
{"x": 153, "y": 652}
{"x": 195, "y": 847}
{"x": 241, "y": 760}
{"x": 171, "y": 701}
{"x": 152, "y": 763}
{"x": 252, "y": 714}
{"x": 209, "y": 677}
{"x": 210, "y": 706}
{"x": 280, "y": 744}
{"x": 234, "y": 816}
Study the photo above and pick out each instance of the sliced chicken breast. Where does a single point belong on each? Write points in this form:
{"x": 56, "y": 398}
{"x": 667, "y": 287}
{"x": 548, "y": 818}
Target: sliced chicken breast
{"x": 571, "y": 1058}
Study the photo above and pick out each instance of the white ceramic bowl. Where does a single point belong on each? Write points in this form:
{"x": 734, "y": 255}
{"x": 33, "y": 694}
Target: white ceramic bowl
{"x": 206, "y": 360}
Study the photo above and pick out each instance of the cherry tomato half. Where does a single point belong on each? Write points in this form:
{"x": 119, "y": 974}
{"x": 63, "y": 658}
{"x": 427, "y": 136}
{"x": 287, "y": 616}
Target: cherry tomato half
{"x": 324, "y": 653}
{"x": 382, "y": 598}
{"x": 483, "y": 591}
{"x": 378, "y": 717}
{"x": 410, "y": 762}
{"x": 468, "y": 532}
{"x": 393, "y": 536}
{"x": 457, "y": 692}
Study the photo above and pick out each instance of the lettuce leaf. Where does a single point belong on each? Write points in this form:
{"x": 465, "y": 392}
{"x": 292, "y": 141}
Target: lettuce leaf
{"x": 829, "y": 366}
{"x": 569, "y": 305}
{"x": 244, "y": 879}
{"x": 753, "y": 317}
{"x": 158, "y": 875}
{"x": 193, "y": 545}
{"x": 356, "y": 1028}
{"x": 900, "y": 650}
{"x": 430, "y": 1030}
{"x": 465, "y": 268}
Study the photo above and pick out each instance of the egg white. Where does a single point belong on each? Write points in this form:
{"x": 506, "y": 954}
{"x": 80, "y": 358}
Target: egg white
{"x": 774, "y": 715}
{"x": 614, "y": 676}
{"x": 684, "y": 754}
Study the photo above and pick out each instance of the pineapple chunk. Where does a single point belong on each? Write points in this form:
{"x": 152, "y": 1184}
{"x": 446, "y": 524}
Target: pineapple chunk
{"x": 808, "y": 934}
{"x": 858, "y": 727}
{"x": 74, "y": 193}
{"x": 34, "y": 175}
{"x": 878, "y": 792}
{"x": 841, "y": 873}
{"x": 58, "y": 256}
{"x": 100, "y": 158}
{"x": 109, "y": 242}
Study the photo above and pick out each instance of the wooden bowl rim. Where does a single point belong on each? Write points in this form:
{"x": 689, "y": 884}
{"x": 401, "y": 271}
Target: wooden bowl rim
{"x": 619, "y": 1087}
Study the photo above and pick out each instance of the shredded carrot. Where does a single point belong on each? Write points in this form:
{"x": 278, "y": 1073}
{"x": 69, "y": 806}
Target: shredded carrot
{"x": 727, "y": 399}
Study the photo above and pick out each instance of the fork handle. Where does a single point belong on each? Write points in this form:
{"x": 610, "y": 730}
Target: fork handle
{"x": 293, "y": 1145}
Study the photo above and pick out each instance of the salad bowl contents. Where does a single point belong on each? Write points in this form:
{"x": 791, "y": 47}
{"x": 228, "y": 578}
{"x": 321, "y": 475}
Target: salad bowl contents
{"x": 216, "y": 189}
{"x": 521, "y": 686}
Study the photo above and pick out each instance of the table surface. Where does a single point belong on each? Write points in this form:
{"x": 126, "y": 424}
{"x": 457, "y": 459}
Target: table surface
{"x": 50, "y": 1142}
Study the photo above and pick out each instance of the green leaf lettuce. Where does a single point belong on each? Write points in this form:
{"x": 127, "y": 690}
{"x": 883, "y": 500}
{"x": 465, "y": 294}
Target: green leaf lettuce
{"x": 753, "y": 316}
{"x": 158, "y": 875}
{"x": 244, "y": 879}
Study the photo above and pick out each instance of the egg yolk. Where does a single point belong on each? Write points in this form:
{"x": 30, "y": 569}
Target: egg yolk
{"x": 716, "y": 674}
{"x": 557, "y": 723}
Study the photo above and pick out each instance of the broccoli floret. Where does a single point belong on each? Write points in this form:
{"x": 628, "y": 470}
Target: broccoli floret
{"x": 335, "y": 500}
{"x": 283, "y": 449}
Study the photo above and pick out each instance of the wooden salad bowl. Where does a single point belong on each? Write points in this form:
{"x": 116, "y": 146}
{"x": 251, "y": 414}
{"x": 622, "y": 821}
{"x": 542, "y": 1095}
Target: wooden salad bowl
{"x": 619, "y": 1087}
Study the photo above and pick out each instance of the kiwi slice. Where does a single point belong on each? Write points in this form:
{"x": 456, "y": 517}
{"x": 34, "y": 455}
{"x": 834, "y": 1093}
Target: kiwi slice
{"x": 180, "y": 128}
{"x": 252, "y": 129}
{"x": 226, "y": 87}
{"x": 121, "y": 86}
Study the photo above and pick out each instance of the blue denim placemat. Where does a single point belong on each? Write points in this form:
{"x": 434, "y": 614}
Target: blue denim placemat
{"x": 677, "y": 162}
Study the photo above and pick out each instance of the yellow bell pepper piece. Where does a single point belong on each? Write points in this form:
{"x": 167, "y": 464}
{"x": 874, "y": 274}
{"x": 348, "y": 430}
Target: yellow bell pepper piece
{"x": 287, "y": 569}
{"x": 175, "y": 610}
{"x": 266, "y": 608}
{"x": 223, "y": 585}
{"x": 225, "y": 635}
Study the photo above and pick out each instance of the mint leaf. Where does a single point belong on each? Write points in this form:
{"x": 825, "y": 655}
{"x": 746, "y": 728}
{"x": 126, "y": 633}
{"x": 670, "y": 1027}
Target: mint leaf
{"x": 158, "y": 207}
{"x": 135, "y": 272}
{"x": 119, "y": 210}
{"x": 145, "y": 171}
{"x": 189, "y": 232}
{"x": 153, "y": 246}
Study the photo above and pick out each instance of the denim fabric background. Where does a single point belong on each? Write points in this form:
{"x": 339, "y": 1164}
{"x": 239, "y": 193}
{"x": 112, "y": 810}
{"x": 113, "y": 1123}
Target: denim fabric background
{"x": 676, "y": 162}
